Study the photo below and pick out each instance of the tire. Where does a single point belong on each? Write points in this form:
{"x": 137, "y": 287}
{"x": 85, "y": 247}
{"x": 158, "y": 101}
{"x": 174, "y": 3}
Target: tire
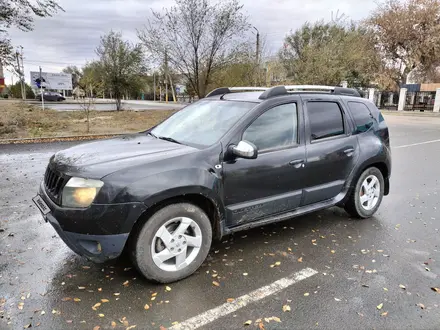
{"x": 152, "y": 240}
{"x": 360, "y": 208}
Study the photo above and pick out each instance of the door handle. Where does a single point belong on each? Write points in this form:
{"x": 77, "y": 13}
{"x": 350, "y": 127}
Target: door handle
{"x": 297, "y": 163}
{"x": 349, "y": 152}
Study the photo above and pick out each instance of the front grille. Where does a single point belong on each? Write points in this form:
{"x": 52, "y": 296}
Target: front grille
{"x": 54, "y": 183}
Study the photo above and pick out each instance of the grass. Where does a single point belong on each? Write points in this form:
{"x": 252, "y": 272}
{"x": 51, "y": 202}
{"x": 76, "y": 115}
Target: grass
{"x": 22, "y": 120}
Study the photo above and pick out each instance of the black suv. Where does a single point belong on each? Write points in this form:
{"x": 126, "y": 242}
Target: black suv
{"x": 240, "y": 158}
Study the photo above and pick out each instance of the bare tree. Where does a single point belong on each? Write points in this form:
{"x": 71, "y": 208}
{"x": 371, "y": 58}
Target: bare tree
{"x": 407, "y": 33}
{"x": 197, "y": 36}
{"x": 120, "y": 64}
{"x": 87, "y": 104}
{"x": 20, "y": 14}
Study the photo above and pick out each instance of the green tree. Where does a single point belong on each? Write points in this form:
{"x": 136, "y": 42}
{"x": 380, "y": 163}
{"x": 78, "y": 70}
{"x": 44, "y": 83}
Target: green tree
{"x": 329, "y": 53}
{"x": 15, "y": 91}
{"x": 198, "y": 37}
{"x": 75, "y": 72}
{"x": 120, "y": 64}
{"x": 407, "y": 34}
{"x": 20, "y": 14}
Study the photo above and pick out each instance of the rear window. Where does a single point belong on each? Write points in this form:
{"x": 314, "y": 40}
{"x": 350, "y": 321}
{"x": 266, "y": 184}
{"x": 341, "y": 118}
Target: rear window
{"x": 325, "y": 119}
{"x": 361, "y": 115}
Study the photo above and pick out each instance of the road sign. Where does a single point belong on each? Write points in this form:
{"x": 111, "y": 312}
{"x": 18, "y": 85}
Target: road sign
{"x": 49, "y": 80}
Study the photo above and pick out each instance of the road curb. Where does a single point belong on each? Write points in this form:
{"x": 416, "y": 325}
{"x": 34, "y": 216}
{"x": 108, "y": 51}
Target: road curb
{"x": 410, "y": 113}
{"x": 60, "y": 138}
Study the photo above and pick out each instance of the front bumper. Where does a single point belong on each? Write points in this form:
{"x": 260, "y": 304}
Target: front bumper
{"x": 98, "y": 232}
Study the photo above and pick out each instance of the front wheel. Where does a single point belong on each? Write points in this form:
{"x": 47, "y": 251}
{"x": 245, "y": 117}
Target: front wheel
{"x": 173, "y": 243}
{"x": 367, "y": 195}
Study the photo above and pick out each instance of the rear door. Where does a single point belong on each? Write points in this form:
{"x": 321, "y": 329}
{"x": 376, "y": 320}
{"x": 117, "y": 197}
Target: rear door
{"x": 331, "y": 149}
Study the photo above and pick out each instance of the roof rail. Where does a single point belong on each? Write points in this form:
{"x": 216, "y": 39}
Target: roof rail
{"x": 227, "y": 90}
{"x": 283, "y": 90}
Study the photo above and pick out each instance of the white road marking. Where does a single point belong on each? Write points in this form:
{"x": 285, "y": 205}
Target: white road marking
{"x": 416, "y": 144}
{"x": 228, "y": 308}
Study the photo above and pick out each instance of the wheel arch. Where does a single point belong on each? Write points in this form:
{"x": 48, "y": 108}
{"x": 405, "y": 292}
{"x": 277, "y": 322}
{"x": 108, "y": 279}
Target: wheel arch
{"x": 196, "y": 196}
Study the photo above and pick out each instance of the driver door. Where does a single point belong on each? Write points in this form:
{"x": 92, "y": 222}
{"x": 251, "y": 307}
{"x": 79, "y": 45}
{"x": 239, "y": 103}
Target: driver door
{"x": 271, "y": 183}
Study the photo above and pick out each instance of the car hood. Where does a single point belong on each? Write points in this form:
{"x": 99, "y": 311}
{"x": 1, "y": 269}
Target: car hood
{"x": 100, "y": 158}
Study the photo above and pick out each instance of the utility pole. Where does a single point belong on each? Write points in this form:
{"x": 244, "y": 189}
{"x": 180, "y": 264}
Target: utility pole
{"x": 41, "y": 89}
{"x": 257, "y": 56}
{"x": 23, "y": 86}
{"x": 154, "y": 85}
{"x": 166, "y": 76}
{"x": 2, "y": 77}
{"x": 20, "y": 74}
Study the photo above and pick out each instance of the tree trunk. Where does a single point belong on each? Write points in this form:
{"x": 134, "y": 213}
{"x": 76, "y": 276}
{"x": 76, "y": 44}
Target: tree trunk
{"x": 88, "y": 120}
{"x": 118, "y": 103}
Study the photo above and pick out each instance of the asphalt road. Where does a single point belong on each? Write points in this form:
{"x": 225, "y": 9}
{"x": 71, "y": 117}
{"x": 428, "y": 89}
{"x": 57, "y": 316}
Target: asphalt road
{"x": 137, "y": 105}
{"x": 343, "y": 270}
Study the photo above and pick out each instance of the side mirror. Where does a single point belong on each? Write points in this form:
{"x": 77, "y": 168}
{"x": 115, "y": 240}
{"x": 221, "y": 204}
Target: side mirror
{"x": 245, "y": 149}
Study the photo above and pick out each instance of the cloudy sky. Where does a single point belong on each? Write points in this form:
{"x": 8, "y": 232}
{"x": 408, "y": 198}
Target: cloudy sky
{"x": 70, "y": 37}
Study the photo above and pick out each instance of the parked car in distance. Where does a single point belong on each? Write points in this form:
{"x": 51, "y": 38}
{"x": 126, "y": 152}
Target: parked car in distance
{"x": 51, "y": 96}
{"x": 240, "y": 158}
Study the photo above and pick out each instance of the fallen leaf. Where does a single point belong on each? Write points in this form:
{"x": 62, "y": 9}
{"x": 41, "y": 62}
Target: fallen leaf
{"x": 101, "y": 315}
{"x": 20, "y": 305}
{"x": 402, "y": 286}
{"x": 365, "y": 285}
{"x": 333, "y": 251}
{"x": 214, "y": 275}
{"x": 427, "y": 269}
{"x": 100, "y": 289}
{"x": 379, "y": 306}
{"x": 125, "y": 283}
{"x": 337, "y": 299}
{"x": 69, "y": 321}
{"x": 167, "y": 289}
{"x": 248, "y": 322}
{"x": 105, "y": 300}
{"x": 66, "y": 299}
{"x": 131, "y": 327}
{"x": 245, "y": 274}
{"x": 278, "y": 263}
{"x": 42, "y": 313}
{"x": 76, "y": 299}
{"x": 153, "y": 298}
{"x": 95, "y": 306}
{"x": 421, "y": 306}
{"x": 97, "y": 327}
{"x": 385, "y": 289}
{"x": 261, "y": 326}
{"x": 116, "y": 294}
{"x": 98, "y": 247}
{"x": 81, "y": 287}
{"x": 113, "y": 324}
{"x": 286, "y": 308}
{"x": 216, "y": 283}
{"x": 230, "y": 300}
{"x": 276, "y": 319}
{"x": 436, "y": 290}
{"x": 147, "y": 307}
{"x": 384, "y": 314}
{"x": 289, "y": 249}
{"x": 127, "y": 269}
{"x": 306, "y": 294}
{"x": 300, "y": 259}
{"x": 86, "y": 267}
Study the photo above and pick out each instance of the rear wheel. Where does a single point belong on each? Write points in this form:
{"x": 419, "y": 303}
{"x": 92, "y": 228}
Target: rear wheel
{"x": 367, "y": 195}
{"x": 173, "y": 243}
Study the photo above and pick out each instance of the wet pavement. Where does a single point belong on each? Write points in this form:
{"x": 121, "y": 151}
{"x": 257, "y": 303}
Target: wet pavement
{"x": 371, "y": 274}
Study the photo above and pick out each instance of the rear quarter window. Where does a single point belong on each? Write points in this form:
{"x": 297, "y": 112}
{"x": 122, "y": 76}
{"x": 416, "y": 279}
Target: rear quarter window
{"x": 361, "y": 115}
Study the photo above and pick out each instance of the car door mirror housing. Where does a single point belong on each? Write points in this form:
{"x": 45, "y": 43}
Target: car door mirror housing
{"x": 245, "y": 149}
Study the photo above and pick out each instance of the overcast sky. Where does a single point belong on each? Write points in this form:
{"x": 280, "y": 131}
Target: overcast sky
{"x": 70, "y": 37}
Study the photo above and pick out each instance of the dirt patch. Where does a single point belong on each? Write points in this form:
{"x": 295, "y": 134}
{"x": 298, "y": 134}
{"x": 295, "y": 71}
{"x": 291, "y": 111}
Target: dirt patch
{"x": 22, "y": 120}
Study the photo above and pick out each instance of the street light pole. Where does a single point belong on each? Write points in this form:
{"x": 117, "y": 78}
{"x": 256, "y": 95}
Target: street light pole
{"x": 41, "y": 90}
{"x": 257, "y": 56}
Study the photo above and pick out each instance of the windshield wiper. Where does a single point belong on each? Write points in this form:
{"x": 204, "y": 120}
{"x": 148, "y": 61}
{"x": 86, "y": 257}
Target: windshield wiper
{"x": 152, "y": 135}
{"x": 170, "y": 139}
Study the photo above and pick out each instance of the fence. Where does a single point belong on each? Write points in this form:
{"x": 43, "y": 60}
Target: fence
{"x": 422, "y": 101}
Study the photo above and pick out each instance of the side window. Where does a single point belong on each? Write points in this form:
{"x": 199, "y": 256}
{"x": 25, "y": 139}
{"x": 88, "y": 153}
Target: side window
{"x": 362, "y": 116}
{"x": 276, "y": 128}
{"x": 325, "y": 120}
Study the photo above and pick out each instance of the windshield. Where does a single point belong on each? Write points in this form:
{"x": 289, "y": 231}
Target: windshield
{"x": 202, "y": 123}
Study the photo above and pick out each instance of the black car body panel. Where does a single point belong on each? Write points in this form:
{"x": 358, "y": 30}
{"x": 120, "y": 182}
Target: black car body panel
{"x": 141, "y": 171}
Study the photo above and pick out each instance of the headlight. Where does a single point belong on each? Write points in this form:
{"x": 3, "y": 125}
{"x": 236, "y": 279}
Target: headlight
{"x": 80, "y": 192}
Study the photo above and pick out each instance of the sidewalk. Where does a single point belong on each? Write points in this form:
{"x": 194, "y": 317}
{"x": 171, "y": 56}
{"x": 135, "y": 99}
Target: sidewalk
{"x": 411, "y": 113}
